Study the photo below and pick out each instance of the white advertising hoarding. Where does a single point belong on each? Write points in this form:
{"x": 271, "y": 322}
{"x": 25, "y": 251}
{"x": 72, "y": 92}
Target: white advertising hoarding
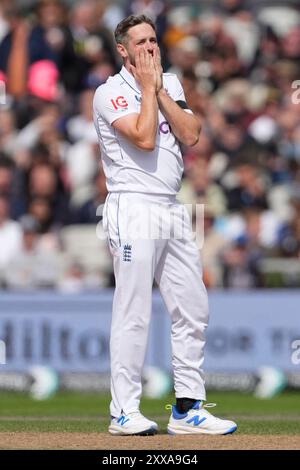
{"x": 71, "y": 332}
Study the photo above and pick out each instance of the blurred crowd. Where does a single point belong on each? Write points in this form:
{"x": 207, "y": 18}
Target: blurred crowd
{"x": 239, "y": 63}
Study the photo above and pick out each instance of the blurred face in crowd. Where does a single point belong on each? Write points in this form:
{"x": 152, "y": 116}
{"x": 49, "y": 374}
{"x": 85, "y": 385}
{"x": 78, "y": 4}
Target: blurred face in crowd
{"x": 5, "y": 179}
{"x": 204, "y": 147}
{"x": 247, "y": 175}
{"x": 43, "y": 181}
{"x": 3, "y": 209}
{"x": 7, "y": 122}
{"x": 199, "y": 176}
{"x": 40, "y": 208}
{"x": 236, "y": 255}
{"x": 253, "y": 223}
{"x": 295, "y": 202}
{"x": 86, "y": 15}
{"x": 50, "y": 114}
{"x": 291, "y": 44}
{"x": 141, "y": 36}
{"x": 231, "y": 5}
{"x": 232, "y": 137}
{"x": 50, "y": 13}
{"x": 86, "y": 104}
{"x": 185, "y": 54}
{"x": 29, "y": 240}
{"x": 288, "y": 120}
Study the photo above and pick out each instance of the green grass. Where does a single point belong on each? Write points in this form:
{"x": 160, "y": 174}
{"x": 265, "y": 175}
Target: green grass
{"x": 74, "y": 412}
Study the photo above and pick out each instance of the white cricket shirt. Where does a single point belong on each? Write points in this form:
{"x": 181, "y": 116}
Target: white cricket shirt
{"x": 128, "y": 168}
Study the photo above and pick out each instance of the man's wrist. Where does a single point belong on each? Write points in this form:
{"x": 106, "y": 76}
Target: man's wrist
{"x": 148, "y": 90}
{"x": 162, "y": 93}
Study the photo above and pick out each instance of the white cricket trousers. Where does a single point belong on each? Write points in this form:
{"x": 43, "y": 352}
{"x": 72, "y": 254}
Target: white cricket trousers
{"x": 140, "y": 229}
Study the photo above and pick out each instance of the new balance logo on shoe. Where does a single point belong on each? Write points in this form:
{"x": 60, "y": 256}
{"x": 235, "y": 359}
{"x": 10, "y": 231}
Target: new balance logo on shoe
{"x": 196, "y": 420}
{"x": 122, "y": 420}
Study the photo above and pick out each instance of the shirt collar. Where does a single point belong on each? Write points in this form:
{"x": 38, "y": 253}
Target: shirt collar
{"x": 129, "y": 79}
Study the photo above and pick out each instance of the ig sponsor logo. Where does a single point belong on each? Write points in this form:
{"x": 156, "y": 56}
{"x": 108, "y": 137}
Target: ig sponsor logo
{"x": 119, "y": 102}
{"x": 296, "y": 93}
{"x": 295, "y": 357}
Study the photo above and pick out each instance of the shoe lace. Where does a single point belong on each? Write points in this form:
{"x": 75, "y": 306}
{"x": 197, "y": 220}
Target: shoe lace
{"x": 206, "y": 405}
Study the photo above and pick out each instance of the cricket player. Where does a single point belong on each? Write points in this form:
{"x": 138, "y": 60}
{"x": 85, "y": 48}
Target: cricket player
{"x": 140, "y": 116}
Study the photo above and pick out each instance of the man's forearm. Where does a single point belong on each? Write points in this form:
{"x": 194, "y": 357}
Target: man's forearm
{"x": 148, "y": 119}
{"x": 185, "y": 126}
{"x": 18, "y": 62}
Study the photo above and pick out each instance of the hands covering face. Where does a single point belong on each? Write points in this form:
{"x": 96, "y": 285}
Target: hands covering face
{"x": 148, "y": 70}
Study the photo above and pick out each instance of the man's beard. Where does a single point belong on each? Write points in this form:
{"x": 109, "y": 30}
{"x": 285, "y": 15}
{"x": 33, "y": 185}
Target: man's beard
{"x": 131, "y": 59}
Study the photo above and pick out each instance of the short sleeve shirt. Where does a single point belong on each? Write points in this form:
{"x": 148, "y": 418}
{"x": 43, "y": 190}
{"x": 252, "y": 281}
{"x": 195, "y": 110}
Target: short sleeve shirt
{"x": 128, "y": 168}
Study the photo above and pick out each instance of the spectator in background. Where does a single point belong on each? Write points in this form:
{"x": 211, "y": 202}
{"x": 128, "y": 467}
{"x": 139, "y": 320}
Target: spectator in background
{"x": 10, "y": 235}
{"x": 40, "y": 208}
{"x": 44, "y": 184}
{"x": 289, "y": 238}
{"x": 44, "y": 119}
{"x": 261, "y": 228}
{"x": 92, "y": 42}
{"x": 214, "y": 243}
{"x": 240, "y": 266}
{"x": 242, "y": 28}
{"x": 51, "y": 40}
{"x": 74, "y": 279}
{"x": 268, "y": 52}
{"x": 82, "y": 162}
{"x": 48, "y": 39}
{"x": 8, "y": 16}
{"x": 82, "y": 123}
{"x": 32, "y": 266}
{"x": 98, "y": 74}
{"x": 14, "y": 50}
{"x": 289, "y": 122}
{"x": 6, "y": 175}
{"x": 291, "y": 45}
{"x": 154, "y": 9}
{"x": 40, "y": 113}
{"x": 231, "y": 7}
{"x": 202, "y": 189}
{"x": 184, "y": 55}
{"x": 196, "y": 97}
{"x": 250, "y": 190}
{"x": 241, "y": 257}
{"x": 41, "y": 182}
{"x": 8, "y": 132}
{"x": 87, "y": 213}
{"x": 113, "y": 13}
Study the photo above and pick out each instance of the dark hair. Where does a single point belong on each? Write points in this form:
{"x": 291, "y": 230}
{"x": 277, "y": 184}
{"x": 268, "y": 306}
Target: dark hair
{"x": 129, "y": 22}
{"x": 6, "y": 162}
